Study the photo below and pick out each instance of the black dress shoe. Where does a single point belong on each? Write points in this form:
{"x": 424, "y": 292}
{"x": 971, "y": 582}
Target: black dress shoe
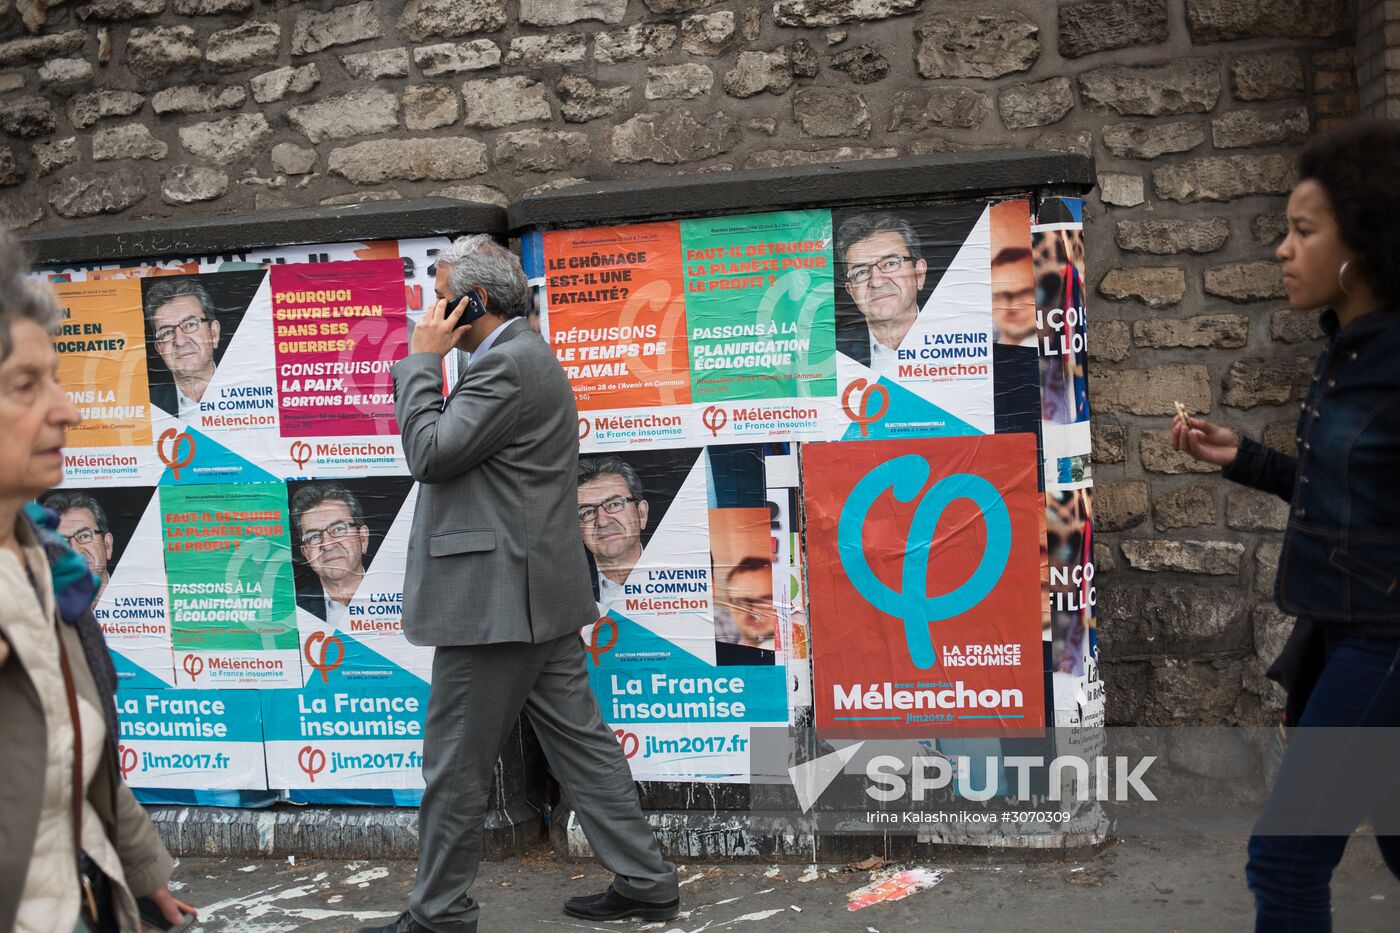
{"x": 403, "y": 923}
{"x": 613, "y": 906}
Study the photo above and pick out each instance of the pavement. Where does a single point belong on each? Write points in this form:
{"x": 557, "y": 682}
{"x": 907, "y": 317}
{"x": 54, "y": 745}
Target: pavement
{"x": 1177, "y": 883}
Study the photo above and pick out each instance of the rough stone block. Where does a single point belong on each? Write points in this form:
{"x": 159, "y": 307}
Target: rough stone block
{"x": 1289, "y": 326}
{"x": 39, "y": 48}
{"x": 384, "y": 63}
{"x": 117, "y": 11}
{"x": 1120, "y": 506}
{"x": 1189, "y": 86}
{"x": 1154, "y": 286}
{"x": 1150, "y": 140}
{"x": 1100, "y": 25}
{"x": 1121, "y": 189}
{"x": 1253, "y": 382}
{"x": 274, "y": 85}
{"x": 644, "y": 40}
{"x": 1245, "y": 281}
{"x": 189, "y": 184}
{"x": 241, "y": 47}
{"x": 361, "y": 112}
{"x": 343, "y": 25}
{"x": 673, "y": 137}
{"x": 10, "y": 172}
{"x": 1185, "y": 507}
{"x": 837, "y": 12}
{"x": 482, "y": 194}
{"x": 1077, "y": 141}
{"x": 1218, "y": 558}
{"x": 1109, "y": 342}
{"x": 1267, "y": 76}
{"x": 1151, "y": 618}
{"x": 679, "y": 82}
{"x": 50, "y": 157}
{"x": 61, "y": 72}
{"x": 1266, "y": 558}
{"x": 1228, "y": 20}
{"x": 450, "y": 18}
{"x": 291, "y": 159}
{"x": 26, "y": 117}
{"x": 975, "y": 45}
{"x": 707, "y": 33}
{"x": 864, "y": 64}
{"x": 1251, "y": 510}
{"x": 917, "y": 109}
{"x": 429, "y": 106}
{"x": 563, "y": 12}
{"x": 1109, "y": 442}
{"x": 211, "y": 7}
{"x": 1157, "y": 455}
{"x": 494, "y": 102}
{"x": 449, "y": 58}
{"x": 88, "y": 194}
{"x": 783, "y": 158}
{"x": 152, "y": 52}
{"x": 1217, "y": 331}
{"x": 198, "y": 98}
{"x": 434, "y": 159}
{"x": 128, "y": 141}
{"x": 1224, "y": 178}
{"x": 1166, "y": 237}
{"x": 830, "y": 112}
{"x": 756, "y": 72}
{"x": 1268, "y": 228}
{"x": 562, "y": 48}
{"x": 1150, "y": 391}
{"x": 1260, "y": 127}
{"x": 580, "y": 100}
{"x": 227, "y": 140}
{"x": 86, "y": 109}
{"x": 537, "y": 150}
{"x": 1036, "y": 103}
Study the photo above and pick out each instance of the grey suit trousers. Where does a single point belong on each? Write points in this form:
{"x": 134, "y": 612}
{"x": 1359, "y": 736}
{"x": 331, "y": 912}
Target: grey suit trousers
{"x": 477, "y": 695}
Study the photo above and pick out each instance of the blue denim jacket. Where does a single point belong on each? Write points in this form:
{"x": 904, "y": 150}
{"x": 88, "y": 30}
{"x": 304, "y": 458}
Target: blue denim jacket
{"x": 1341, "y": 551}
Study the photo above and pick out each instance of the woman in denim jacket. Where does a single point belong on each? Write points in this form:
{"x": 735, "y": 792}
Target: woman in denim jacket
{"x": 1339, "y": 571}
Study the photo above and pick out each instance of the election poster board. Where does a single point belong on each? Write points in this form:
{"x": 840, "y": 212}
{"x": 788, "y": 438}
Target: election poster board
{"x": 924, "y": 570}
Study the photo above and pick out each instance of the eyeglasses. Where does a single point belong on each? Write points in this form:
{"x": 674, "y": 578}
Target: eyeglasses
{"x": 889, "y": 265}
{"x": 188, "y": 326}
{"x": 83, "y": 536}
{"x": 588, "y": 513}
{"x": 335, "y": 532}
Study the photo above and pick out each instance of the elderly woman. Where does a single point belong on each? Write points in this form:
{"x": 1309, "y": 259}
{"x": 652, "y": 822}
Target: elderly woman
{"x": 76, "y": 849}
{"x": 1339, "y": 571}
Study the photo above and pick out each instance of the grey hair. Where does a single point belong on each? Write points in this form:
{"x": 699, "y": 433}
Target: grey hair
{"x": 62, "y": 502}
{"x": 308, "y": 497}
{"x": 590, "y": 468}
{"x": 479, "y": 261}
{"x": 163, "y": 291}
{"x": 20, "y": 298}
{"x": 862, "y": 226}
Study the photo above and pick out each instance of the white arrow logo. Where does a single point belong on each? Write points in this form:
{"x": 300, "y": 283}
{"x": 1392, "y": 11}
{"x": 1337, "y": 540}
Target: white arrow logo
{"x": 811, "y": 778}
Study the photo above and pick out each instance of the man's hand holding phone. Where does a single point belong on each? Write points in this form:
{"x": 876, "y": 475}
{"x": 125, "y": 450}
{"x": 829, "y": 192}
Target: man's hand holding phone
{"x": 437, "y": 332}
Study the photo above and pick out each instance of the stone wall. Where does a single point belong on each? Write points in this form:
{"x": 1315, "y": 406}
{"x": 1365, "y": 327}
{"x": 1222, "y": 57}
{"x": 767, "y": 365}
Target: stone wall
{"x": 1193, "y": 109}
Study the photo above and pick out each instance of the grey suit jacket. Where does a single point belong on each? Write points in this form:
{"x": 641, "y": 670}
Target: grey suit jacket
{"x": 495, "y": 554}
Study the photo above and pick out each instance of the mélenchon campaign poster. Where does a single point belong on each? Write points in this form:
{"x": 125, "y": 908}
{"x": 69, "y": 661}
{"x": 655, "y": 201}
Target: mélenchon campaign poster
{"x": 925, "y": 587}
{"x": 688, "y": 653}
{"x": 248, "y": 367}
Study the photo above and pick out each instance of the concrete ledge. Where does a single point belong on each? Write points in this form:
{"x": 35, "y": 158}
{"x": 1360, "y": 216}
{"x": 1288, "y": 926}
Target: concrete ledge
{"x": 327, "y": 832}
{"x": 873, "y": 181}
{"x": 203, "y": 236}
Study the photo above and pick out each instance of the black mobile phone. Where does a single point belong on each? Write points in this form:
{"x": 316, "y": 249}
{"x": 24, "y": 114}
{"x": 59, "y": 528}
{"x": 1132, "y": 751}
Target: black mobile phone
{"x": 153, "y": 919}
{"x": 474, "y": 309}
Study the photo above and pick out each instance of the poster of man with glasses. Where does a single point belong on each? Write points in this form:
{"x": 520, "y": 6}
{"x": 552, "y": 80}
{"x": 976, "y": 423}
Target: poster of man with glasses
{"x": 190, "y": 321}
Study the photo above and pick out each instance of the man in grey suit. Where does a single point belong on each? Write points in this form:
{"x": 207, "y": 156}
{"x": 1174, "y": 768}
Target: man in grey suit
{"x": 497, "y": 583}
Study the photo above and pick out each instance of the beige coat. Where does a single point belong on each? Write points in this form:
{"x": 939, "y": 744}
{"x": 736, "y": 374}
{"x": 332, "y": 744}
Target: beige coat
{"x": 24, "y": 766}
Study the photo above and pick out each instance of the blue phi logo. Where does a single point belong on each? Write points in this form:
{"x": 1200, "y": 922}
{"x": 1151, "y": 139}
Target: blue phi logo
{"x": 905, "y": 478}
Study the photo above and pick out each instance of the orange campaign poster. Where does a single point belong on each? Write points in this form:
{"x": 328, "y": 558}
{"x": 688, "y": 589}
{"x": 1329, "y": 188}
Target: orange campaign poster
{"x": 924, "y": 580}
{"x": 101, "y": 348}
{"x": 617, "y": 314}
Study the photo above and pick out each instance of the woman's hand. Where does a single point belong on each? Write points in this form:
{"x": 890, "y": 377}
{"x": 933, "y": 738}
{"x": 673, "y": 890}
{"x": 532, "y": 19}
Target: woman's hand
{"x": 1207, "y": 442}
{"x": 175, "y": 912}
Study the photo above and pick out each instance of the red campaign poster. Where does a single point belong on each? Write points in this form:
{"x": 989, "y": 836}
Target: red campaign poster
{"x": 924, "y": 572}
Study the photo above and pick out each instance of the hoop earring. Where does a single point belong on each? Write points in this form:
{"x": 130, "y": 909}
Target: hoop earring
{"x": 1341, "y": 277}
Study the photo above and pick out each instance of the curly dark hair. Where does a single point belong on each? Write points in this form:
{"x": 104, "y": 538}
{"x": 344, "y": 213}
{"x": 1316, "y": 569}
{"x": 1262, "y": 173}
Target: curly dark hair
{"x": 1358, "y": 165}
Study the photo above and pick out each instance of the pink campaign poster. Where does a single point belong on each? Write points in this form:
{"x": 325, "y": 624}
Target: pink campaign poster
{"x": 339, "y": 326}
